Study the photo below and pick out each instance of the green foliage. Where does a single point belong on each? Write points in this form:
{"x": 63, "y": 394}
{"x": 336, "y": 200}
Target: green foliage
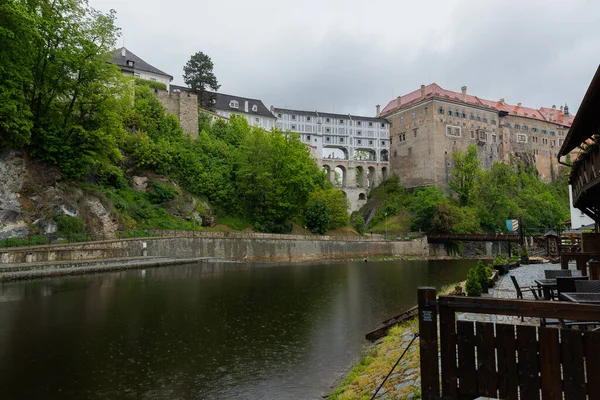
{"x": 150, "y": 84}
{"x": 161, "y": 193}
{"x": 499, "y": 260}
{"x": 524, "y": 252}
{"x": 338, "y": 206}
{"x": 449, "y": 218}
{"x": 359, "y": 224}
{"x": 67, "y": 225}
{"x": 424, "y": 206}
{"x": 473, "y": 285}
{"x": 464, "y": 175}
{"x": 318, "y": 215}
{"x": 198, "y": 75}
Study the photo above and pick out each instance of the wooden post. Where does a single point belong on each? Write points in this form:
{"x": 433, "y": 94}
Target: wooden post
{"x": 428, "y": 343}
{"x": 448, "y": 351}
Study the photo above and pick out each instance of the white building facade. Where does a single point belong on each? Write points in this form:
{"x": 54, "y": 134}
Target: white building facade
{"x": 253, "y": 110}
{"x": 359, "y": 138}
{"x": 132, "y": 65}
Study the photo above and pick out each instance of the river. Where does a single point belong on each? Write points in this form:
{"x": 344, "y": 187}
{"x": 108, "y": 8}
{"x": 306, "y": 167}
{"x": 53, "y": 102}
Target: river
{"x": 205, "y": 331}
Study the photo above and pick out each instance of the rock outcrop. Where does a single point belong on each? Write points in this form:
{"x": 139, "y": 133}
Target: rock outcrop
{"x": 13, "y": 172}
{"x": 103, "y": 223}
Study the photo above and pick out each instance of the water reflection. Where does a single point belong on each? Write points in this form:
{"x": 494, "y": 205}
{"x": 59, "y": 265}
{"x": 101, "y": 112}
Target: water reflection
{"x": 218, "y": 331}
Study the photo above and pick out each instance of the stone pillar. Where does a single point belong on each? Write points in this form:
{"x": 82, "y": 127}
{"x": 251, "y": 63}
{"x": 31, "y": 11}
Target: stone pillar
{"x": 350, "y": 177}
{"x": 363, "y": 178}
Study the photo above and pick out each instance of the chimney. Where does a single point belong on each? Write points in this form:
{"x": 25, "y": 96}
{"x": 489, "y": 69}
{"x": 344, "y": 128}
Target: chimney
{"x": 518, "y": 104}
{"x": 378, "y": 110}
{"x": 566, "y": 110}
{"x": 123, "y": 51}
{"x": 561, "y": 108}
{"x": 554, "y": 106}
{"x": 399, "y": 101}
{"x": 464, "y": 93}
{"x": 422, "y": 91}
{"x": 246, "y": 106}
{"x": 502, "y": 100}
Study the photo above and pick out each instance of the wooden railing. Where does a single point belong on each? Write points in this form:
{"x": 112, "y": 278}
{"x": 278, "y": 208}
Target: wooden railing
{"x": 476, "y": 237}
{"x": 502, "y": 360}
{"x": 585, "y": 173}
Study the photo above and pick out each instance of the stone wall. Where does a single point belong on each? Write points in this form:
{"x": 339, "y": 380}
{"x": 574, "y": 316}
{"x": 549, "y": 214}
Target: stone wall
{"x": 184, "y": 105}
{"x": 266, "y": 250}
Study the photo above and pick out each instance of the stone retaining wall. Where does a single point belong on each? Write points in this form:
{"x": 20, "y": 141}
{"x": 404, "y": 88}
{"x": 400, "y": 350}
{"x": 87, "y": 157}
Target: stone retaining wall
{"x": 241, "y": 249}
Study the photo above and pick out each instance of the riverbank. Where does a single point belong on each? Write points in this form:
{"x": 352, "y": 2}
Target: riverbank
{"x": 24, "y": 271}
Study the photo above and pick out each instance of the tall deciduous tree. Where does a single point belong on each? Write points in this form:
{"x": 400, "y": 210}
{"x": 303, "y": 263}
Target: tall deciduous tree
{"x": 198, "y": 75}
{"x": 464, "y": 175}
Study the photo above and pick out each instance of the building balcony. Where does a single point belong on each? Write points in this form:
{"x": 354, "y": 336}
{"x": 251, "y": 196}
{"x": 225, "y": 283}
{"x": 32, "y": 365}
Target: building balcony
{"x": 585, "y": 180}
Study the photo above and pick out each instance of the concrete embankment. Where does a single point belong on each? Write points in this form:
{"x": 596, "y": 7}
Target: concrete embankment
{"x": 14, "y": 272}
{"x": 264, "y": 248}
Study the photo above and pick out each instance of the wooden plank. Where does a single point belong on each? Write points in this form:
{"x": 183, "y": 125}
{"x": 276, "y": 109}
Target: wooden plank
{"x": 531, "y": 308}
{"x": 591, "y": 349}
{"x": 486, "y": 359}
{"x": 428, "y": 342}
{"x": 448, "y": 352}
{"x": 466, "y": 362}
{"x": 550, "y": 364}
{"x": 506, "y": 343}
{"x": 572, "y": 362}
{"x": 528, "y": 362}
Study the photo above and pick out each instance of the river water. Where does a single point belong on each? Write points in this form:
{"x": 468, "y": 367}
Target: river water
{"x": 205, "y": 331}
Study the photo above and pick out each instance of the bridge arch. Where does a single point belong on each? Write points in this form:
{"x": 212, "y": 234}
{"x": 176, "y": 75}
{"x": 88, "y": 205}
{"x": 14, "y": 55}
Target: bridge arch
{"x": 384, "y": 155}
{"x": 362, "y": 196}
{"x": 384, "y": 173}
{"x": 328, "y": 154}
{"x": 365, "y": 154}
{"x": 371, "y": 177}
{"x": 361, "y": 176}
{"x": 342, "y": 173}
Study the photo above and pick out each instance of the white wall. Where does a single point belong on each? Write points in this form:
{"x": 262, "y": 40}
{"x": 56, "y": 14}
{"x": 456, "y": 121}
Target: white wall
{"x": 578, "y": 218}
{"x": 253, "y": 119}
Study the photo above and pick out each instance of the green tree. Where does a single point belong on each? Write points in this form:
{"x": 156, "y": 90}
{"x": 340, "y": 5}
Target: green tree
{"x": 318, "y": 215}
{"x": 338, "y": 206}
{"x": 198, "y": 75}
{"x": 359, "y": 224}
{"x": 424, "y": 205}
{"x": 18, "y": 37}
{"x": 464, "y": 175}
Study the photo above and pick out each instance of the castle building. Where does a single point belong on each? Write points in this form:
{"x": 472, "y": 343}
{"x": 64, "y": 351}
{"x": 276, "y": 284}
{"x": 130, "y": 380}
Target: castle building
{"x": 430, "y": 124}
{"x": 130, "y": 64}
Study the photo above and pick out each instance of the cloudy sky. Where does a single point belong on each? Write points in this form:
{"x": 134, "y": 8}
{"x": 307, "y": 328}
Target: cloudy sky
{"x": 349, "y": 55}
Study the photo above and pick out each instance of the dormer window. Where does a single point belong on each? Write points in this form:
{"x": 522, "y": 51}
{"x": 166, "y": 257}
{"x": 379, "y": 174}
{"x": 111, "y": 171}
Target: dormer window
{"x": 234, "y": 104}
{"x": 255, "y": 108}
{"x": 130, "y": 63}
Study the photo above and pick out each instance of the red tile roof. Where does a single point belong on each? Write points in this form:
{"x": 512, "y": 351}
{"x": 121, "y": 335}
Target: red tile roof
{"x": 435, "y": 91}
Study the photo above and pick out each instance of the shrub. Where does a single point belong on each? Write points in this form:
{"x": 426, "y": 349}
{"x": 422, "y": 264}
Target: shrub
{"x": 318, "y": 215}
{"x": 473, "y": 286}
{"x": 150, "y": 84}
{"x": 161, "y": 193}
{"x": 524, "y": 252}
{"x": 359, "y": 224}
{"x": 499, "y": 260}
{"x": 482, "y": 274}
{"x": 67, "y": 225}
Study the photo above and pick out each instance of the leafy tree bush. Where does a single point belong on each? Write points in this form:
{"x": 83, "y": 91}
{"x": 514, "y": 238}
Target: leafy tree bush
{"x": 68, "y": 225}
{"x": 473, "y": 285}
{"x": 150, "y": 84}
{"x": 318, "y": 215}
{"x": 161, "y": 193}
{"x": 359, "y": 224}
{"x": 338, "y": 206}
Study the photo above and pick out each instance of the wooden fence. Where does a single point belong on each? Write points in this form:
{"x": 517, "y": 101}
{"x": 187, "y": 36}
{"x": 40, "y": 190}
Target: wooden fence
{"x": 506, "y": 361}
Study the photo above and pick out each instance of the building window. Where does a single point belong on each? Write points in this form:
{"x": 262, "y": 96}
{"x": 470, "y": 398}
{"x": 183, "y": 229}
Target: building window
{"x": 293, "y": 127}
{"x": 370, "y": 143}
{"x": 327, "y": 120}
{"x": 358, "y": 123}
{"x": 341, "y": 122}
{"x": 560, "y": 142}
{"x": 278, "y": 115}
{"x": 358, "y": 133}
{"x": 482, "y": 136}
{"x": 478, "y": 118}
{"x": 359, "y": 141}
{"x": 553, "y": 143}
{"x": 472, "y": 117}
{"x": 544, "y": 141}
{"x": 255, "y": 108}
{"x": 401, "y": 120}
{"x": 507, "y": 124}
{"x": 293, "y": 117}
{"x": 327, "y": 139}
{"x": 383, "y": 124}
{"x": 413, "y": 115}
{"x": 534, "y": 139}
{"x": 534, "y": 129}
{"x": 341, "y": 140}
{"x": 234, "y": 104}
{"x": 536, "y": 152}
{"x": 493, "y": 122}
{"x": 341, "y": 131}
{"x": 404, "y": 137}
{"x": 494, "y": 138}
{"x": 440, "y": 110}
{"x": 452, "y": 131}
{"x": 415, "y": 132}
{"x": 545, "y": 131}
{"x": 410, "y": 150}
{"x": 257, "y": 120}
{"x": 525, "y": 127}
{"x": 395, "y": 153}
{"x": 279, "y": 125}
{"x": 472, "y": 134}
{"x": 327, "y": 130}
{"x": 383, "y": 143}
{"x": 485, "y": 120}
{"x": 522, "y": 139}
{"x": 517, "y": 126}
{"x": 130, "y": 63}
{"x": 308, "y": 138}
{"x": 552, "y": 133}
{"x": 456, "y": 113}
{"x": 370, "y": 124}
